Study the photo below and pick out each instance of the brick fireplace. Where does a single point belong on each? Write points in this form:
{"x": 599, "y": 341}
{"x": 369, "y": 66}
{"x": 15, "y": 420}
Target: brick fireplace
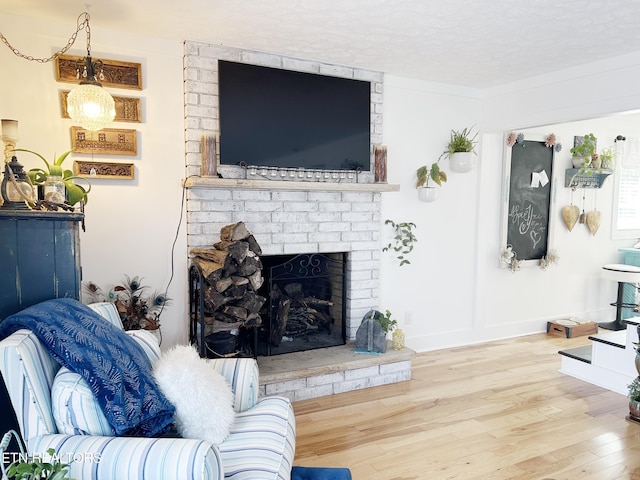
{"x": 286, "y": 217}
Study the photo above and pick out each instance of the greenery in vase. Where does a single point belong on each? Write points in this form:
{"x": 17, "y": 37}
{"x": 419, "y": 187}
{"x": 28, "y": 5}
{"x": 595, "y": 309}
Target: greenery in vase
{"x": 608, "y": 155}
{"x": 35, "y": 468}
{"x": 634, "y": 390}
{"x": 386, "y": 322}
{"x": 38, "y": 176}
{"x": 403, "y": 240}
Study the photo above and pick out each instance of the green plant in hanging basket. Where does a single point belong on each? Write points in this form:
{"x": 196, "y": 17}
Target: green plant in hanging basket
{"x": 38, "y": 176}
{"x": 461, "y": 141}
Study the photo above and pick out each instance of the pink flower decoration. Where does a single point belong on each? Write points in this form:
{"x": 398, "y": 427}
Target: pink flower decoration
{"x": 511, "y": 139}
{"x": 550, "y": 141}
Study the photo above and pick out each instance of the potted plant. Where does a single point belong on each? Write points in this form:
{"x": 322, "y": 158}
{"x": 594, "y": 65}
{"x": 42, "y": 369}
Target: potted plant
{"x": 608, "y": 157}
{"x": 582, "y": 152}
{"x": 634, "y": 399}
{"x": 58, "y": 183}
{"x": 403, "y": 240}
{"x": 426, "y": 191}
{"x": 388, "y": 324}
{"x": 461, "y": 149}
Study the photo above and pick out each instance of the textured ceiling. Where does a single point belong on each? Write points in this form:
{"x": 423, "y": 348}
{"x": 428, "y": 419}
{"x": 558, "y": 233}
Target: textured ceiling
{"x": 476, "y": 43}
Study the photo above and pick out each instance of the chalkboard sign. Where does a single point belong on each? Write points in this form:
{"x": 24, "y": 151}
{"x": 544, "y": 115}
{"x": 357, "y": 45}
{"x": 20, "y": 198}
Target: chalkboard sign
{"x": 528, "y": 197}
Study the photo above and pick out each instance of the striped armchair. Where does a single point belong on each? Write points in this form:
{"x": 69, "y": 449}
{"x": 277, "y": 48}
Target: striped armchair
{"x": 261, "y": 444}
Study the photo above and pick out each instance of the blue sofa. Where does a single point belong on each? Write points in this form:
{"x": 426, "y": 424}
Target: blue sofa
{"x": 261, "y": 444}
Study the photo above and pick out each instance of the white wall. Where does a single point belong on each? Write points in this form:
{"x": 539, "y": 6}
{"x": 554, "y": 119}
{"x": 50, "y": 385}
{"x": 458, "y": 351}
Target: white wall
{"x": 454, "y": 292}
{"x": 433, "y": 298}
{"x": 130, "y": 225}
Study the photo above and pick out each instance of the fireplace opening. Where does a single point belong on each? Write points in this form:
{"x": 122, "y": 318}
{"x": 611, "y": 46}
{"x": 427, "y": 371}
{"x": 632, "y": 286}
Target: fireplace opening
{"x": 306, "y": 303}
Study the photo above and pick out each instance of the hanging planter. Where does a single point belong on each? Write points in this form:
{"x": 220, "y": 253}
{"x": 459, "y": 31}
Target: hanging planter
{"x": 461, "y": 150}
{"x": 427, "y": 191}
{"x": 461, "y": 162}
{"x": 428, "y": 194}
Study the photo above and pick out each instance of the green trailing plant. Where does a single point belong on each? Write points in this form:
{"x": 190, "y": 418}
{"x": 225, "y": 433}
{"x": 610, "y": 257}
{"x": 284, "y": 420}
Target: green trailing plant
{"x": 634, "y": 390}
{"x": 403, "y": 240}
{"x": 35, "y": 468}
{"x": 461, "y": 141}
{"x": 38, "y": 176}
{"x": 425, "y": 174}
{"x": 386, "y": 322}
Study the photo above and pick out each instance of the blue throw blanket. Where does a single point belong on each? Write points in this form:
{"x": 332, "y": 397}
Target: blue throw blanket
{"x": 112, "y": 363}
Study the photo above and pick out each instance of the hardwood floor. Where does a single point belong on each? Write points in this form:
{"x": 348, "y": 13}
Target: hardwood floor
{"x": 498, "y": 410}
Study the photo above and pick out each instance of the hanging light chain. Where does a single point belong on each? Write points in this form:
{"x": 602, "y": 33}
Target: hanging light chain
{"x": 82, "y": 23}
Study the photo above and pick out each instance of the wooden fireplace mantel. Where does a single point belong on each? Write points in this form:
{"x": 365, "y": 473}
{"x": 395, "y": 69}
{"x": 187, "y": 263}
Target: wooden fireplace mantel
{"x": 233, "y": 183}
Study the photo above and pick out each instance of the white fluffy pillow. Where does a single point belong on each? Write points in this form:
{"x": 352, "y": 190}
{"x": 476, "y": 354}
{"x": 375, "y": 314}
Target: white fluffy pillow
{"x": 202, "y": 397}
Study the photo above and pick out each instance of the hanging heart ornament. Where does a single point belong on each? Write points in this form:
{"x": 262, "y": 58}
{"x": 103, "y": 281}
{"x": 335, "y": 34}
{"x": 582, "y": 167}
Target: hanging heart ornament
{"x": 570, "y": 215}
{"x": 593, "y": 221}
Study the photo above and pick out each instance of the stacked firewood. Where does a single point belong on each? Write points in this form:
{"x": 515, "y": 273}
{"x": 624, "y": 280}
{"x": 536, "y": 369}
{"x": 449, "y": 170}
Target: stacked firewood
{"x": 232, "y": 270}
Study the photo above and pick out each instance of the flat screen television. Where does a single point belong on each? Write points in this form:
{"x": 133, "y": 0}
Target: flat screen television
{"x": 281, "y": 118}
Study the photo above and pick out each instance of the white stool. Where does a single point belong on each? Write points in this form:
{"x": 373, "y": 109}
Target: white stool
{"x": 622, "y": 274}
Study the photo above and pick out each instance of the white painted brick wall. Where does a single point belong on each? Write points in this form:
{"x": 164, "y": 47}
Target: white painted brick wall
{"x": 283, "y": 222}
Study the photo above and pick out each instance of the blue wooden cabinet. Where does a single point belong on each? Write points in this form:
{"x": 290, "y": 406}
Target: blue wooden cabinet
{"x": 39, "y": 260}
{"x": 630, "y": 256}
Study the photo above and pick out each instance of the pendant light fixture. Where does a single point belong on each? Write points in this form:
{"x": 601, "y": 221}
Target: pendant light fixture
{"x": 89, "y": 105}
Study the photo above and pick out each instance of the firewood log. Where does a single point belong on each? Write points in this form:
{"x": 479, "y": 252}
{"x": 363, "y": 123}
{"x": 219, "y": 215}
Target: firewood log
{"x": 213, "y": 300}
{"x": 279, "y": 326}
{"x": 250, "y": 265}
{"x": 252, "y": 302}
{"x": 253, "y": 319}
{"x": 236, "y": 312}
{"x": 234, "y": 232}
{"x": 237, "y": 280}
{"x": 211, "y": 271}
{"x": 256, "y": 280}
{"x": 210, "y": 254}
{"x": 237, "y": 250}
{"x": 253, "y": 245}
{"x": 222, "y": 284}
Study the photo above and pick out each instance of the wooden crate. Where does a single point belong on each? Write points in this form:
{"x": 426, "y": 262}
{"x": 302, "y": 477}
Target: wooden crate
{"x": 570, "y": 331}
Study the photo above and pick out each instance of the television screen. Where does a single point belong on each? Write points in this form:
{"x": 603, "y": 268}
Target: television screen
{"x": 281, "y": 118}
